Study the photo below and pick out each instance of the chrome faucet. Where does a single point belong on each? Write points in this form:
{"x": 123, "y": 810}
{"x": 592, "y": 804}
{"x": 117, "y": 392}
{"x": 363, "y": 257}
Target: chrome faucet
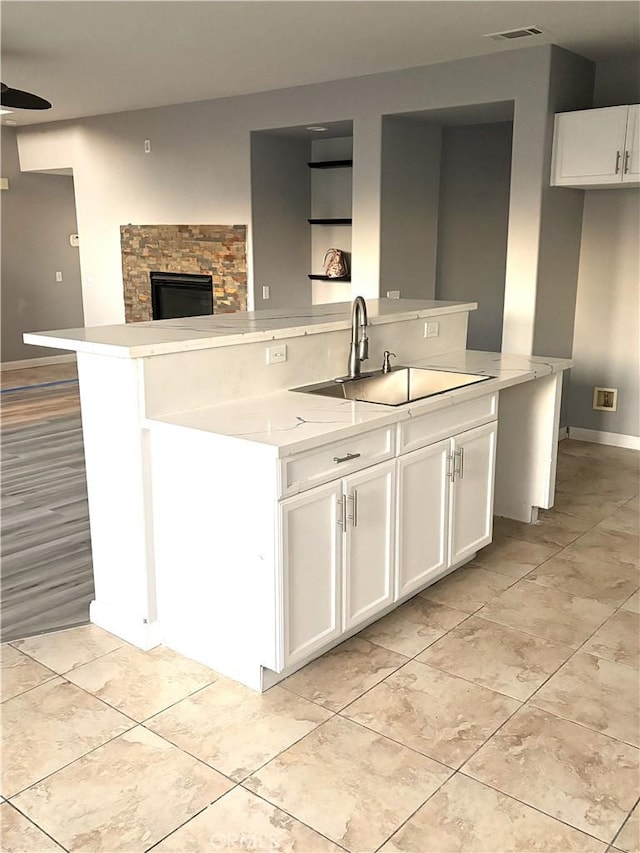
{"x": 359, "y": 349}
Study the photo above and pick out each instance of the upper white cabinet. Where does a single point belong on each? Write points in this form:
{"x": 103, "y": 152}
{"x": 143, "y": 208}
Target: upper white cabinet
{"x": 597, "y": 148}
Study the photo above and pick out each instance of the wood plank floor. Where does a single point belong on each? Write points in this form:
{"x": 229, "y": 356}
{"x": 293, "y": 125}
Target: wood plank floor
{"x": 46, "y": 577}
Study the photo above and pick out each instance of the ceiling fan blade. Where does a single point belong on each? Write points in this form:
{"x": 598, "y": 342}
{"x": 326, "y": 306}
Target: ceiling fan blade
{"x": 20, "y": 100}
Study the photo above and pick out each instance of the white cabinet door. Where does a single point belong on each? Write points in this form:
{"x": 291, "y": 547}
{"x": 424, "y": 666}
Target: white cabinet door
{"x": 471, "y": 494}
{"x": 631, "y": 168}
{"x": 368, "y": 571}
{"x": 423, "y": 516}
{"x": 589, "y": 146}
{"x": 311, "y": 529}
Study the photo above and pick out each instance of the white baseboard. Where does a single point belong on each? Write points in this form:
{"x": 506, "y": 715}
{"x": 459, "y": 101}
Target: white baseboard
{"x": 614, "y": 439}
{"x": 37, "y": 362}
{"x": 144, "y": 635}
{"x": 563, "y": 433}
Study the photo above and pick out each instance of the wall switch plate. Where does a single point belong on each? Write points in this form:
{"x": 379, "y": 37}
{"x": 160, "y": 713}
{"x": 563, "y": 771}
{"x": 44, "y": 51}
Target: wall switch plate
{"x": 277, "y": 354}
{"x": 58, "y": 276}
{"x": 393, "y": 294}
{"x": 74, "y": 240}
{"x": 266, "y": 291}
{"x": 431, "y": 330}
{"x": 147, "y": 146}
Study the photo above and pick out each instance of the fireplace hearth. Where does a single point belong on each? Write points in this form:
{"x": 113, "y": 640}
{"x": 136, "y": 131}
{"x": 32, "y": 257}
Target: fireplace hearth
{"x": 180, "y": 295}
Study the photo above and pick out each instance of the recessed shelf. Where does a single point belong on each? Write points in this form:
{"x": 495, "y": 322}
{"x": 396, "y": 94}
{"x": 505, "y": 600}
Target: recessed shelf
{"x": 328, "y": 278}
{"x": 331, "y": 164}
{"x": 329, "y": 221}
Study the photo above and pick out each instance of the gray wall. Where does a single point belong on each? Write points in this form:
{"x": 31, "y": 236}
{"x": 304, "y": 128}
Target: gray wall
{"x": 617, "y": 82}
{"x": 409, "y": 207}
{"x": 280, "y": 187}
{"x": 606, "y": 349}
{"x": 571, "y": 88}
{"x": 38, "y": 215}
{"x": 199, "y": 166}
{"x": 472, "y": 235}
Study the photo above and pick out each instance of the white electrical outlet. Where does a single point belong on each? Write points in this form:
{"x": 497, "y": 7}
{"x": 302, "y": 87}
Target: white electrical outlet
{"x": 147, "y": 146}
{"x": 431, "y": 330}
{"x": 266, "y": 291}
{"x": 277, "y": 354}
{"x": 393, "y": 294}
{"x": 58, "y": 276}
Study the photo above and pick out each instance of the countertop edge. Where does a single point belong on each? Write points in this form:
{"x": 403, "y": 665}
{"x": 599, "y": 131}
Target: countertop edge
{"x": 380, "y": 415}
{"x": 55, "y": 339}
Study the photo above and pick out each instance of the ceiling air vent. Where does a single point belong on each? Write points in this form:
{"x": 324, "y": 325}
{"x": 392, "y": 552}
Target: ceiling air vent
{"x": 509, "y": 35}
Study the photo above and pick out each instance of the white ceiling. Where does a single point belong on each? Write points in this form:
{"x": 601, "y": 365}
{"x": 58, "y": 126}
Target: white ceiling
{"x": 90, "y": 57}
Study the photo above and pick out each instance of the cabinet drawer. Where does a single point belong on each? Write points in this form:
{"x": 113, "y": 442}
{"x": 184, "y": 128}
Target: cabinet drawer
{"x": 330, "y": 461}
{"x": 431, "y": 427}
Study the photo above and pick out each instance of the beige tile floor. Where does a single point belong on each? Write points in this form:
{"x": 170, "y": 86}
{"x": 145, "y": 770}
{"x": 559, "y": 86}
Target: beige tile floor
{"x": 496, "y": 711}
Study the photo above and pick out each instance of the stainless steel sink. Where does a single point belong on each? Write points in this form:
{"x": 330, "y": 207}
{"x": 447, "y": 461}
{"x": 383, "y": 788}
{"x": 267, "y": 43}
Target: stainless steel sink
{"x": 400, "y": 385}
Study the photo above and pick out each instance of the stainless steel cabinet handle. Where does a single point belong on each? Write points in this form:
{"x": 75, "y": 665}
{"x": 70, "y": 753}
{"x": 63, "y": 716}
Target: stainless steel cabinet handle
{"x": 342, "y": 521}
{"x": 354, "y": 498}
{"x": 627, "y": 155}
{"x": 451, "y": 467}
{"x": 346, "y": 458}
{"x": 460, "y": 453}
{"x": 618, "y": 155}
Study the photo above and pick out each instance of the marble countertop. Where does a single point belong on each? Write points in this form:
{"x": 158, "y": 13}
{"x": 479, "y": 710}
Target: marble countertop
{"x": 158, "y": 337}
{"x": 292, "y": 422}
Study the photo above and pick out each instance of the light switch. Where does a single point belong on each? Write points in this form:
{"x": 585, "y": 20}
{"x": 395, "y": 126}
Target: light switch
{"x": 58, "y": 276}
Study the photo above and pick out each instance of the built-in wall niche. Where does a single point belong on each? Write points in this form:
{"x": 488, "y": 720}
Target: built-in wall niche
{"x": 445, "y": 183}
{"x": 301, "y": 190}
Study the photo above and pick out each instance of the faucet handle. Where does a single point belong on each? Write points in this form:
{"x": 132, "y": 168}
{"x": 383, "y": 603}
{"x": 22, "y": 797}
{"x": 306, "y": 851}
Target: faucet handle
{"x": 386, "y": 364}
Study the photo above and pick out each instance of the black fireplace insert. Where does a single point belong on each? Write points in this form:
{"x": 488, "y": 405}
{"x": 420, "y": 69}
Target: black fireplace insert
{"x": 180, "y": 295}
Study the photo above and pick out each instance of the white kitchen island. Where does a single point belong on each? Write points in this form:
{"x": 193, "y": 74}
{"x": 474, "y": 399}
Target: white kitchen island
{"x": 253, "y": 527}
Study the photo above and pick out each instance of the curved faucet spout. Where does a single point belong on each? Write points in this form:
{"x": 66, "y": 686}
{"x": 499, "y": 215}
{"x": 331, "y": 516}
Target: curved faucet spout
{"x": 359, "y": 348}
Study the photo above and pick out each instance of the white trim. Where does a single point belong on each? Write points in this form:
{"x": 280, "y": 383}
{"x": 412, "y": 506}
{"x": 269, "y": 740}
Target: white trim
{"x": 563, "y": 433}
{"x": 144, "y": 635}
{"x": 37, "y": 362}
{"x": 597, "y": 436}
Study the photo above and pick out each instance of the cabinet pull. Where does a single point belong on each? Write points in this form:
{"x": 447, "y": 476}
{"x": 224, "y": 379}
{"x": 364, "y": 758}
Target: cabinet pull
{"x": 354, "y": 503}
{"x": 626, "y": 162}
{"x": 460, "y": 470}
{"x": 618, "y": 155}
{"x": 346, "y": 458}
{"x": 342, "y": 521}
{"x": 451, "y": 467}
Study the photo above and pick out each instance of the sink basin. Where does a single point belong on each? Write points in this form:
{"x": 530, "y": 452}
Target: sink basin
{"x": 400, "y": 385}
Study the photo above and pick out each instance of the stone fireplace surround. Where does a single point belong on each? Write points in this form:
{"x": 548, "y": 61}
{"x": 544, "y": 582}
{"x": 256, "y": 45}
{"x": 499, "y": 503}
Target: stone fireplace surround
{"x": 216, "y": 250}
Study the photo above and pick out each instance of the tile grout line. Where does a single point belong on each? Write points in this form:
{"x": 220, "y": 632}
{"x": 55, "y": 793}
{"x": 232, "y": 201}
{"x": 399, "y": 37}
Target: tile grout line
{"x": 31, "y": 821}
{"x": 240, "y": 784}
{"x": 339, "y": 713}
{"x": 624, "y": 823}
